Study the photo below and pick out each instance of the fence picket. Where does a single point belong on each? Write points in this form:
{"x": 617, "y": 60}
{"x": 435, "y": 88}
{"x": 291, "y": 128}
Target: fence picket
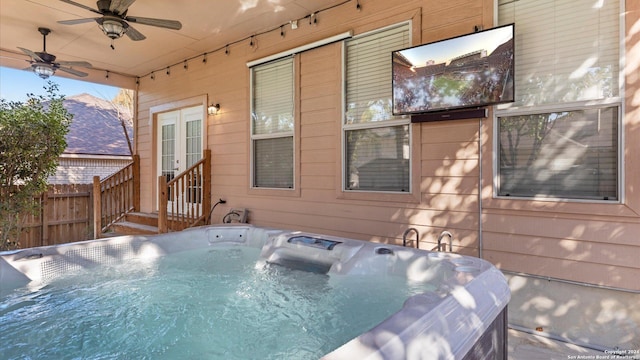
{"x": 65, "y": 216}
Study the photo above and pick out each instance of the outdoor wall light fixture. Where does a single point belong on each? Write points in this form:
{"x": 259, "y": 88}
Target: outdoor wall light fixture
{"x": 213, "y": 109}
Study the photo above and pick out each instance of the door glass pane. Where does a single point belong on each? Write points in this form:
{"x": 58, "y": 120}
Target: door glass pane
{"x": 168, "y": 151}
{"x": 193, "y": 142}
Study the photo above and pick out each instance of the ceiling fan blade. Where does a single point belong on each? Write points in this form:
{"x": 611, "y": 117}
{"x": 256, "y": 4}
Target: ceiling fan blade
{"x": 163, "y": 23}
{"x": 73, "y": 71}
{"x": 75, "y": 63}
{"x": 81, "y": 6}
{"x": 134, "y": 34}
{"x": 33, "y": 55}
{"x": 120, "y": 6}
{"x": 77, "y": 21}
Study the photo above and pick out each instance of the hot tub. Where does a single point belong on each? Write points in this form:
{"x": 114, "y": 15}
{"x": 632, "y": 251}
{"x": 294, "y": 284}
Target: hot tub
{"x": 459, "y": 312}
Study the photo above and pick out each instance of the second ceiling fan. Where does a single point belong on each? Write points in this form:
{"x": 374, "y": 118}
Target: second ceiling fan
{"x": 114, "y": 21}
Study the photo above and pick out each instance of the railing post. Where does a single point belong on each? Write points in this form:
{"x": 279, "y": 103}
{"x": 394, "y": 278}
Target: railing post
{"x": 136, "y": 182}
{"x": 97, "y": 208}
{"x": 162, "y": 204}
{"x": 206, "y": 170}
{"x": 44, "y": 217}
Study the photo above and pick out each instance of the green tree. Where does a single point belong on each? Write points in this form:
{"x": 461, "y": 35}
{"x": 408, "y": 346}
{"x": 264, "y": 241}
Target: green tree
{"x": 32, "y": 137}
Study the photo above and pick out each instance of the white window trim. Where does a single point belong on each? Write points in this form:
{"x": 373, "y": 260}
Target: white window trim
{"x": 253, "y": 137}
{"x": 299, "y": 49}
{"x": 387, "y": 123}
{"x": 581, "y": 105}
{"x": 577, "y": 106}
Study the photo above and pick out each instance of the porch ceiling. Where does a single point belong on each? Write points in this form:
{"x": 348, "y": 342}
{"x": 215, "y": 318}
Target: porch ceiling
{"x": 206, "y": 26}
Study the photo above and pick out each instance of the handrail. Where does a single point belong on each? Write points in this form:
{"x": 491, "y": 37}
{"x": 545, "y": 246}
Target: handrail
{"x": 186, "y": 197}
{"x": 115, "y": 196}
{"x": 406, "y": 233}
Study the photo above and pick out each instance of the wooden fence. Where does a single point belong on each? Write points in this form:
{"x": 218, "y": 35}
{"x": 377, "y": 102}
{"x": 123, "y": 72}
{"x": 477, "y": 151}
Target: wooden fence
{"x": 65, "y": 216}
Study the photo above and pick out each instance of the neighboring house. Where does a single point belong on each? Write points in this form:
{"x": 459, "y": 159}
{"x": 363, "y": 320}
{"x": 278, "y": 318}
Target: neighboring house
{"x": 96, "y": 142}
{"x": 297, "y": 124}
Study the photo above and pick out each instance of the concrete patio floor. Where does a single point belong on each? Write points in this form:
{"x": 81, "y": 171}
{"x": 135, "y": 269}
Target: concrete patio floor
{"x": 524, "y": 346}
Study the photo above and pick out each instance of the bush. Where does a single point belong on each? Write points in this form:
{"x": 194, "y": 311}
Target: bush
{"x": 33, "y": 137}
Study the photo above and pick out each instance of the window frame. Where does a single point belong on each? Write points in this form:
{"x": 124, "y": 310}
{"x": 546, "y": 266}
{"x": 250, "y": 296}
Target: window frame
{"x": 412, "y": 195}
{"x": 262, "y": 190}
{"x": 504, "y": 110}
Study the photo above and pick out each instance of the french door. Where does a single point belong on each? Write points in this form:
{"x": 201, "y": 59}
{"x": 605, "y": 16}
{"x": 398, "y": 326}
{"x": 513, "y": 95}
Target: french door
{"x": 180, "y": 144}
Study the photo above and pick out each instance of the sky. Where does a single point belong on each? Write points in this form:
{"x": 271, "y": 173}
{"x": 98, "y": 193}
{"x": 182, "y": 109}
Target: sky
{"x": 444, "y": 51}
{"x": 16, "y": 84}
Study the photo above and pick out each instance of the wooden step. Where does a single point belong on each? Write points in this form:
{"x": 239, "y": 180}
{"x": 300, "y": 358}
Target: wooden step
{"x": 150, "y": 219}
{"x": 137, "y": 223}
{"x": 133, "y": 228}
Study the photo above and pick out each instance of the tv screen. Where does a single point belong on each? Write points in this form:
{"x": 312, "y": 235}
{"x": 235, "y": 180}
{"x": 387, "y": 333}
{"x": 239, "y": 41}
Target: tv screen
{"x": 472, "y": 70}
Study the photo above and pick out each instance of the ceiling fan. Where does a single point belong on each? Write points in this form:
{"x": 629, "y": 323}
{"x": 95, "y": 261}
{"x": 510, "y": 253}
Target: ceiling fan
{"x": 45, "y": 65}
{"x": 114, "y": 21}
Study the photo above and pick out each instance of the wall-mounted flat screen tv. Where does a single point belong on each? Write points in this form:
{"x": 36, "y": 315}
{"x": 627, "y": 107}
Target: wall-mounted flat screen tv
{"x": 468, "y": 71}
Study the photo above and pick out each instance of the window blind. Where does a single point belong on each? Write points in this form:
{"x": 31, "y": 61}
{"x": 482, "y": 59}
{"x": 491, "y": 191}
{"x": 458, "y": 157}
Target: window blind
{"x": 368, "y": 74}
{"x": 572, "y": 154}
{"x": 273, "y": 124}
{"x": 378, "y": 159}
{"x": 273, "y": 163}
{"x": 565, "y": 50}
{"x": 377, "y": 151}
{"x": 273, "y": 102}
{"x": 567, "y": 53}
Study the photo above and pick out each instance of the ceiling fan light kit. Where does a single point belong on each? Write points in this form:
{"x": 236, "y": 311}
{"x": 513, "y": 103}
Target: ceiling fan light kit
{"x": 44, "y": 64}
{"x": 114, "y": 22}
{"x": 112, "y": 28}
{"x": 44, "y": 70}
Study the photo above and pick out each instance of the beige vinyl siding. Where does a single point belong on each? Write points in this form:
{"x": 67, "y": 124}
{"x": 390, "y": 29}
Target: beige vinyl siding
{"x": 590, "y": 242}
{"x": 319, "y": 97}
{"x": 587, "y": 241}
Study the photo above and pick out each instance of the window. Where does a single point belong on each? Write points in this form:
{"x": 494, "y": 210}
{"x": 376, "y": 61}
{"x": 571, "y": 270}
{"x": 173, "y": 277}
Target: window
{"x": 272, "y": 124}
{"x": 570, "y": 154}
{"x": 560, "y": 138}
{"x": 377, "y": 144}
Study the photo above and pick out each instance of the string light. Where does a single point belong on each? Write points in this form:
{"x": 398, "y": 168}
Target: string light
{"x": 313, "y": 20}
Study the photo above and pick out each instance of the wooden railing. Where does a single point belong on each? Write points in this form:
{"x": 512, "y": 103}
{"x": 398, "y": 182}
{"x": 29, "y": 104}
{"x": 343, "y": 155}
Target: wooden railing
{"x": 115, "y": 196}
{"x": 184, "y": 201}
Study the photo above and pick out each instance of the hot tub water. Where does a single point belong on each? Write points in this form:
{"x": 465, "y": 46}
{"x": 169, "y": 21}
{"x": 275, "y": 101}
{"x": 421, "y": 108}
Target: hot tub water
{"x": 218, "y": 304}
{"x": 238, "y": 292}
